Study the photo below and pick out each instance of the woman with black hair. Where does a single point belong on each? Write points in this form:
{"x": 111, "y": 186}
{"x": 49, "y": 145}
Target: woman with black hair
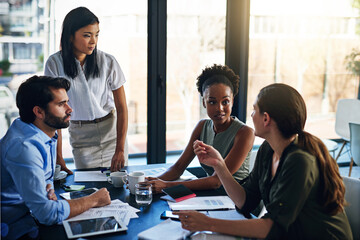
{"x": 294, "y": 175}
{"x": 97, "y": 130}
{"x": 218, "y": 85}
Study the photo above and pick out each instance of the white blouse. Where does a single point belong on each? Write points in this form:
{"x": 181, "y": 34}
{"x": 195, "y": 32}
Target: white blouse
{"x": 89, "y": 98}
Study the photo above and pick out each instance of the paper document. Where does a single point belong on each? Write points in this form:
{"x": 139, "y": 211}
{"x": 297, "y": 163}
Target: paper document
{"x": 90, "y": 176}
{"x": 158, "y": 171}
{"x": 213, "y": 236}
{"x": 122, "y": 212}
{"x": 226, "y": 215}
{"x": 203, "y": 203}
{"x": 171, "y": 229}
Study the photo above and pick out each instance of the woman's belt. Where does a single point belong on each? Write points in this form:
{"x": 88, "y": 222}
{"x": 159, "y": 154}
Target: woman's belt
{"x": 97, "y": 120}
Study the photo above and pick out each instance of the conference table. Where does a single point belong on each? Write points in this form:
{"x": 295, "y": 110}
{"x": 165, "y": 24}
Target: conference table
{"x": 148, "y": 216}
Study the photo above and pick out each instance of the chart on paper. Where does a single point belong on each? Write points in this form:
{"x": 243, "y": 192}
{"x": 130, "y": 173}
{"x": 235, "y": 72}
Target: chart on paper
{"x": 203, "y": 203}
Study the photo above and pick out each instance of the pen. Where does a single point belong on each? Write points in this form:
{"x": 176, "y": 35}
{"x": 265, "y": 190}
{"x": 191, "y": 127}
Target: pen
{"x": 106, "y": 171}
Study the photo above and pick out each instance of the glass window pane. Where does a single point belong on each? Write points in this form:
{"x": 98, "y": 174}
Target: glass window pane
{"x": 304, "y": 44}
{"x": 195, "y": 39}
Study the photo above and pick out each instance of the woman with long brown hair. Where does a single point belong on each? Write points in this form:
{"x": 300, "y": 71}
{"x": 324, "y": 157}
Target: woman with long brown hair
{"x": 294, "y": 175}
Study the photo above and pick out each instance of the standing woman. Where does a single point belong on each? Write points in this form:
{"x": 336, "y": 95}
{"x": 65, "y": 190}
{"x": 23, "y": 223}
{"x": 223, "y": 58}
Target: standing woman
{"x": 97, "y": 130}
{"x": 294, "y": 175}
{"x": 218, "y": 85}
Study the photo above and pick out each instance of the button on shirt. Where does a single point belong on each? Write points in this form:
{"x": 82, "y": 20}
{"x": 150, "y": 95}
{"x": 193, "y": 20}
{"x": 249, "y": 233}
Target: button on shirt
{"x": 93, "y": 97}
{"x": 28, "y": 159}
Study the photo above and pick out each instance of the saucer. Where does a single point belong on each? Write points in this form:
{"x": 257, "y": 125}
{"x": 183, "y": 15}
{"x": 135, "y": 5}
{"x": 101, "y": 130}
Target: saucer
{"x": 61, "y": 176}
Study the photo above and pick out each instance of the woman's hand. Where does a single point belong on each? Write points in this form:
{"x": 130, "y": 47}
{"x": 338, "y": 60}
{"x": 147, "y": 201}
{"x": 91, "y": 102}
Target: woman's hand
{"x": 61, "y": 162}
{"x": 157, "y": 184}
{"x": 194, "y": 221}
{"x": 117, "y": 162}
{"x": 207, "y": 154}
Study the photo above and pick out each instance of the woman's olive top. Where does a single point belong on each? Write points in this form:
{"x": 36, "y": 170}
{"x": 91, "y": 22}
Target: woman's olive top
{"x": 292, "y": 197}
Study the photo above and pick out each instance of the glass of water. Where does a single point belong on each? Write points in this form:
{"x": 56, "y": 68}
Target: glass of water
{"x": 143, "y": 194}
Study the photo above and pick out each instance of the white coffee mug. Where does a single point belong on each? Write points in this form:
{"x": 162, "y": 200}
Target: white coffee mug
{"x": 57, "y": 170}
{"x": 116, "y": 178}
{"x": 132, "y": 179}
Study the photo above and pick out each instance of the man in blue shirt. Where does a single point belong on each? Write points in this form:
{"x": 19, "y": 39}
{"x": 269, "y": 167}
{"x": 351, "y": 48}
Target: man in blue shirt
{"x": 28, "y": 159}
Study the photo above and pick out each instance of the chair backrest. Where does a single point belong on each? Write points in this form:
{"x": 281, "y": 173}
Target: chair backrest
{"x": 355, "y": 142}
{"x": 252, "y": 160}
{"x": 352, "y": 196}
{"x": 348, "y": 110}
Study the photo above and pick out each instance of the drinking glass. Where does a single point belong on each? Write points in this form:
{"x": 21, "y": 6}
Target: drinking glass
{"x": 143, "y": 194}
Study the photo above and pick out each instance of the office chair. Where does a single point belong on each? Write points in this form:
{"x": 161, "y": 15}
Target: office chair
{"x": 348, "y": 110}
{"x": 352, "y": 196}
{"x": 354, "y": 145}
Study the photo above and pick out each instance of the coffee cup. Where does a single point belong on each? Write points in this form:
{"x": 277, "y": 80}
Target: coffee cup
{"x": 132, "y": 179}
{"x": 57, "y": 170}
{"x": 116, "y": 178}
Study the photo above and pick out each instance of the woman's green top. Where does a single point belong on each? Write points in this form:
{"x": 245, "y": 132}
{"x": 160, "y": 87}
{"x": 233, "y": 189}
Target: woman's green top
{"x": 292, "y": 197}
{"x": 223, "y": 142}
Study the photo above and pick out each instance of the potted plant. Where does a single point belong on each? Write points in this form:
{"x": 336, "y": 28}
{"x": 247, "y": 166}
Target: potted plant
{"x": 5, "y": 66}
{"x": 353, "y": 65}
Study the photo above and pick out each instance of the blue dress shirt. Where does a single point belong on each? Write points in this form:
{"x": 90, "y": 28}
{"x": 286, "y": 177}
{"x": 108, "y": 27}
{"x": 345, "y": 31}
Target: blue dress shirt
{"x": 28, "y": 159}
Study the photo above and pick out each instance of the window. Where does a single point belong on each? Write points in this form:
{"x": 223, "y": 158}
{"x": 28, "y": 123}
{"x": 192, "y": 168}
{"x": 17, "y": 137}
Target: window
{"x": 305, "y": 47}
{"x": 195, "y": 39}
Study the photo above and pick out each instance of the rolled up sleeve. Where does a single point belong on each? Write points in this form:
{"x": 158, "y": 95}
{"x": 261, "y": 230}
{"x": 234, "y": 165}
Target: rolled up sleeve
{"x": 26, "y": 167}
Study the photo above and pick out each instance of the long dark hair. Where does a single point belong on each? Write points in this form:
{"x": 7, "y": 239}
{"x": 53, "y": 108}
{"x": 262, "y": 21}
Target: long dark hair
{"x": 286, "y": 106}
{"x": 74, "y": 20}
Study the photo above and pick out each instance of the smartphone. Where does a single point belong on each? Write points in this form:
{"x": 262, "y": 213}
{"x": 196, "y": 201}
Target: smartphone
{"x": 169, "y": 214}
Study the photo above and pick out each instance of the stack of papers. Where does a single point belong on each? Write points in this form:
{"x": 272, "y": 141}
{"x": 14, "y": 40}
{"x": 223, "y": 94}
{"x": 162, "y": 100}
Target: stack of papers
{"x": 123, "y": 212}
{"x": 171, "y": 229}
{"x": 203, "y": 203}
{"x": 226, "y": 215}
{"x": 98, "y": 176}
{"x": 155, "y": 172}
{"x": 90, "y": 176}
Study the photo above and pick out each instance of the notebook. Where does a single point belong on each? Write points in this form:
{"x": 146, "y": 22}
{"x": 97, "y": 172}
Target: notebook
{"x": 178, "y": 193}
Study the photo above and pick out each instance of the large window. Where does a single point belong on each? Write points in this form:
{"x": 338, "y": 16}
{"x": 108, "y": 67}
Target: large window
{"x": 304, "y": 44}
{"x": 195, "y": 39}
{"x": 301, "y": 43}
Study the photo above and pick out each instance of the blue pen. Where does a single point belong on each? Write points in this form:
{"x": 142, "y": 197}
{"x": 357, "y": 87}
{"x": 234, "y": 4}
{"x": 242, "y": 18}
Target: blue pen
{"x": 106, "y": 171}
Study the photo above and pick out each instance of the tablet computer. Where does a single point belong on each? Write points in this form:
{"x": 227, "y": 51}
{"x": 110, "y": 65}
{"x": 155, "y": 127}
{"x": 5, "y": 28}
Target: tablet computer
{"x": 78, "y": 194}
{"x": 92, "y": 226}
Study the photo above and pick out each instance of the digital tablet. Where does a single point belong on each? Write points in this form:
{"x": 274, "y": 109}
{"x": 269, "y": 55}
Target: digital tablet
{"x": 78, "y": 194}
{"x": 92, "y": 226}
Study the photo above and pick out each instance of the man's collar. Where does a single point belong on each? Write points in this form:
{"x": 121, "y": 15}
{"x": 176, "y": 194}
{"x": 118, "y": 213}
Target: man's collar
{"x": 43, "y": 135}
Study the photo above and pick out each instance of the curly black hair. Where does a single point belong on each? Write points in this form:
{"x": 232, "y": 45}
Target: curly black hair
{"x": 218, "y": 74}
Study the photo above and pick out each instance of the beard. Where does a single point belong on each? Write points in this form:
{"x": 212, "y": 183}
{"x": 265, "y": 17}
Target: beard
{"x": 56, "y": 122}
